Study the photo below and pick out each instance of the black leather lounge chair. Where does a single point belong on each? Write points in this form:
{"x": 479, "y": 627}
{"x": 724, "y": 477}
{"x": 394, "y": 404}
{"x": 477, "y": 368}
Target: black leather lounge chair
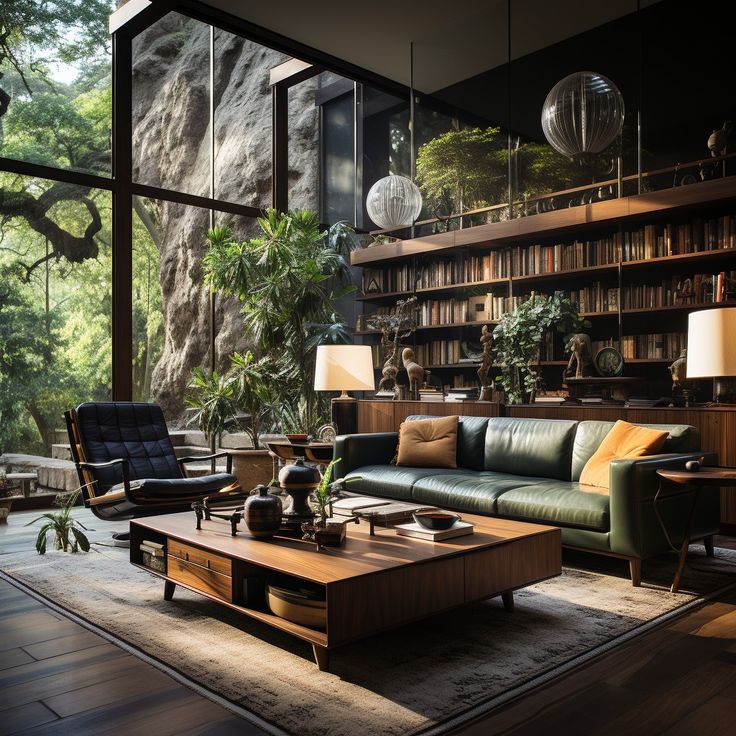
{"x": 126, "y": 462}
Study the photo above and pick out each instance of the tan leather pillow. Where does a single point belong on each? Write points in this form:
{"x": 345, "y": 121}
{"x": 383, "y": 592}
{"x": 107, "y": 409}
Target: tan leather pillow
{"x": 428, "y": 443}
{"x": 625, "y": 440}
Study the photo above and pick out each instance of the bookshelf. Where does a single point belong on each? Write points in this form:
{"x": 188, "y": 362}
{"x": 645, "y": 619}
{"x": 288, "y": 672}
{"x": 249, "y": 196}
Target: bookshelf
{"x": 636, "y": 267}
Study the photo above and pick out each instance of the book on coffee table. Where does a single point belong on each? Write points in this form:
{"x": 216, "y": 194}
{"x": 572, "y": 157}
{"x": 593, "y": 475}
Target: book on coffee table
{"x": 458, "y": 529}
{"x": 391, "y": 513}
{"x": 348, "y": 506}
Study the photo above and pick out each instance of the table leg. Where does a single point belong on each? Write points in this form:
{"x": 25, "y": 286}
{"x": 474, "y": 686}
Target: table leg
{"x": 169, "y": 589}
{"x": 321, "y": 657}
{"x": 508, "y": 600}
{"x": 685, "y": 543}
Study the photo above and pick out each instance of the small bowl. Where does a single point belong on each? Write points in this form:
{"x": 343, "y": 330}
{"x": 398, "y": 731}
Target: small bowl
{"x": 296, "y": 437}
{"x": 435, "y": 519}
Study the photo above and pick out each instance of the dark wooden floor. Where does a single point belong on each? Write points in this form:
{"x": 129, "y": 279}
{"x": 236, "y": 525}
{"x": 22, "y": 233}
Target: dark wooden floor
{"x": 56, "y": 677}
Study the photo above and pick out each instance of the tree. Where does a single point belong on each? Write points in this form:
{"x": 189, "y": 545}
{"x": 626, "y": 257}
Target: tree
{"x": 288, "y": 280}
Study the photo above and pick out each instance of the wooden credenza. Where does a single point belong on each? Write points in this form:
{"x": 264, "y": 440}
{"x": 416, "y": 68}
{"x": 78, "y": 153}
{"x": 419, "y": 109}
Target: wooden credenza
{"x": 717, "y": 425}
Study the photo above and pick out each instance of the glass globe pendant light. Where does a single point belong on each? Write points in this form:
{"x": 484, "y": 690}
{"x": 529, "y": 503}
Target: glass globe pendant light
{"x": 394, "y": 202}
{"x": 583, "y": 113}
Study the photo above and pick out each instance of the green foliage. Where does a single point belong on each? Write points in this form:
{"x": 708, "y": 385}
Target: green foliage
{"x": 468, "y": 164}
{"x": 518, "y": 337}
{"x": 213, "y": 396}
{"x": 288, "y": 280}
{"x": 68, "y": 536}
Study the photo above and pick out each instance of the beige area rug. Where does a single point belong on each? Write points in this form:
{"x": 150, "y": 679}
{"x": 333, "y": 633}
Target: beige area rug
{"x": 421, "y": 678}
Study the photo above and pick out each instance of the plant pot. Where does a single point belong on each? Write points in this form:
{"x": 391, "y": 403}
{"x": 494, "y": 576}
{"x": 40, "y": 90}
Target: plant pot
{"x": 5, "y": 505}
{"x": 252, "y": 468}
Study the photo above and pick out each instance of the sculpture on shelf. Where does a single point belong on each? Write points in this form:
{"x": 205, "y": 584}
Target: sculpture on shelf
{"x": 486, "y": 340}
{"x": 678, "y": 369}
{"x": 718, "y": 140}
{"x": 581, "y": 358}
{"x": 414, "y": 371}
{"x": 684, "y": 291}
{"x": 399, "y": 324}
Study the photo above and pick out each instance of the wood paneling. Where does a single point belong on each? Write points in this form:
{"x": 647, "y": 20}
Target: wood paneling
{"x": 386, "y": 416}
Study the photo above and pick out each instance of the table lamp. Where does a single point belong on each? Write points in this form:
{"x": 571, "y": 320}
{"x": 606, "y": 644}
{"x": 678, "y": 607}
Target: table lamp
{"x": 711, "y": 350}
{"x": 344, "y": 368}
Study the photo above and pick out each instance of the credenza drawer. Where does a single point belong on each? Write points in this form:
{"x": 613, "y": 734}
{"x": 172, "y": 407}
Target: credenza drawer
{"x": 201, "y": 557}
{"x": 200, "y": 578}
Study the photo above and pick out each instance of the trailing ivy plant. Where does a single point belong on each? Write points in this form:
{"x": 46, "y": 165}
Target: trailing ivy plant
{"x": 518, "y": 338}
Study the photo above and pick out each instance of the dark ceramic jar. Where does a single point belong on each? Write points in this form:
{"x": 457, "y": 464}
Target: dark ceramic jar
{"x": 263, "y": 513}
{"x": 299, "y": 480}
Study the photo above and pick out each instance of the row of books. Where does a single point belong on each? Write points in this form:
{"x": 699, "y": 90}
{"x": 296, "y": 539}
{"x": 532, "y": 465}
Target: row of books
{"x": 596, "y": 298}
{"x": 652, "y": 346}
{"x": 650, "y": 241}
{"x": 697, "y": 289}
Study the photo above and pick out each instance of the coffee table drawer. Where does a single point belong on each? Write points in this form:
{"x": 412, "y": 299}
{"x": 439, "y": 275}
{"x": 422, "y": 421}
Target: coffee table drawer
{"x": 200, "y": 578}
{"x": 201, "y": 557}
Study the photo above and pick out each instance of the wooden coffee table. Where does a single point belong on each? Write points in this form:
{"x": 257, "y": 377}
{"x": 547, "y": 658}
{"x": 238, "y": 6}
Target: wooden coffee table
{"x": 372, "y": 583}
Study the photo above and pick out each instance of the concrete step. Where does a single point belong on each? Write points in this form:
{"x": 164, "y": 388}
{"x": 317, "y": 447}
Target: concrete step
{"x": 188, "y": 450}
{"x": 53, "y": 474}
{"x": 61, "y": 451}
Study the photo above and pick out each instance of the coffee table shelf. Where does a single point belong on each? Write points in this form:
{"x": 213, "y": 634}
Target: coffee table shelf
{"x": 372, "y": 584}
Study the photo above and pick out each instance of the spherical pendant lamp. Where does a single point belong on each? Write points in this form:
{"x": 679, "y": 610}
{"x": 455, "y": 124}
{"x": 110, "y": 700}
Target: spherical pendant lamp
{"x": 394, "y": 202}
{"x": 583, "y": 113}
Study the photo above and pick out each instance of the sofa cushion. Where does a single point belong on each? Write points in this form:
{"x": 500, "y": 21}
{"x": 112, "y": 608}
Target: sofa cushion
{"x": 428, "y": 443}
{"x": 471, "y": 440}
{"x": 590, "y": 434}
{"x": 624, "y": 441}
{"x": 470, "y": 491}
{"x": 530, "y": 447}
{"x": 390, "y": 481}
{"x": 557, "y": 502}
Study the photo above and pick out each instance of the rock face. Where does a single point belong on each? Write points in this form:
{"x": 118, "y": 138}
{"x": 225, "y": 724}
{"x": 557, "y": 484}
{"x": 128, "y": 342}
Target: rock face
{"x": 171, "y": 142}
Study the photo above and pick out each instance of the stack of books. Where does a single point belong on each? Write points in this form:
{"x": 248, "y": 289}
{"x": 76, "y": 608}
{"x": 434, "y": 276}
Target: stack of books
{"x": 462, "y": 393}
{"x": 458, "y": 529}
{"x": 431, "y": 394}
{"x": 154, "y": 555}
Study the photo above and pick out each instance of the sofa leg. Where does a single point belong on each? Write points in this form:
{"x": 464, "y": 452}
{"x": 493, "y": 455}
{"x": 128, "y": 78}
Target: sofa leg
{"x": 708, "y": 542}
{"x": 635, "y": 569}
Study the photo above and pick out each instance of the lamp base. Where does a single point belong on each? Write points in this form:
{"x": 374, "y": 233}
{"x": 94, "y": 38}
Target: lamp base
{"x": 345, "y": 415}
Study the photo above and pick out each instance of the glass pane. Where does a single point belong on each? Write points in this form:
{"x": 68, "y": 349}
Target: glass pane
{"x": 55, "y": 85}
{"x": 55, "y": 302}
{"x": 601, "y": 40}
{"x": 243, "y": 119}
{"x": 170, "y": 301}
{"x": 686, "y": 98}
{"x": 171, "y": 97}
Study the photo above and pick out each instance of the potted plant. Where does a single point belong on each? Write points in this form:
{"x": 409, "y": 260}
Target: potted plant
{"x": 518, "y": 338}
{"x": 288, "y": 280}
{"x": 326, "y": 492}
{"x": 68, "y": 536}
{"x": 6, "y": 497}
{"x": 240, "y": 399}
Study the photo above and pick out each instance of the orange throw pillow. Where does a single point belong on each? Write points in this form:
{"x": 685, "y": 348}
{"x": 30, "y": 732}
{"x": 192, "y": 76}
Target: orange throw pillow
{"x": 625, "y": 440}
{"x": 428, "y": 443}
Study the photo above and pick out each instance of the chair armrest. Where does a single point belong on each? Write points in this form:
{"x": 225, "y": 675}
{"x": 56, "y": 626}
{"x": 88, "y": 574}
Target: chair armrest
{"x": 200, "y": 458}
{"x": 109, "y": 464}
{"x": 110, "y": 497}
{"x": 356, "y": 450}
{"x": 633, "y": 485}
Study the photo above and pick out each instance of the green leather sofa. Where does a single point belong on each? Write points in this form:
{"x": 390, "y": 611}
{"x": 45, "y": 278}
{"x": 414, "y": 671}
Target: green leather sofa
{"x": 528, "y": 469}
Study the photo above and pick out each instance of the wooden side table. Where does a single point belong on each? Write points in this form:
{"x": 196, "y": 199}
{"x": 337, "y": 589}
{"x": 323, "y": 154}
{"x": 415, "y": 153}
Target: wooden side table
{"x": 690, "y": 482}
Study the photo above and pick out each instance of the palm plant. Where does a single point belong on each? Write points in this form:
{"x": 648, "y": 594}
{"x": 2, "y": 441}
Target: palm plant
{"x": 213, "y": 397}
{"x": 68, "y": 536}
{"x": 288, "y": 280}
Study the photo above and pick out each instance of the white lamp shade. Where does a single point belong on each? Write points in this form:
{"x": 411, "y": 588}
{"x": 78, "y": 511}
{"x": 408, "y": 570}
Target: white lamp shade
{"x": 711, "y": 343}
{"x": 344, "y": 368}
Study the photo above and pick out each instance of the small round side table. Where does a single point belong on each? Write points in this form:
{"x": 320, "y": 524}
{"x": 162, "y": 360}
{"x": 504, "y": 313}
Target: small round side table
{"x": 690, "y": 482}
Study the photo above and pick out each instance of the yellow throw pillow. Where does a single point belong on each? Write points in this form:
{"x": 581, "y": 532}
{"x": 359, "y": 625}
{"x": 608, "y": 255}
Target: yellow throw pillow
{"x": 625, "y": 440}
{"x": 428, "y": 443}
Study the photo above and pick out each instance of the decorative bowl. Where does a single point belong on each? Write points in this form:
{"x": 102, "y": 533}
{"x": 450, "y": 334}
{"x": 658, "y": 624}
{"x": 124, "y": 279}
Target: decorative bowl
{"x": 297, "y": 608}
{"x": 435, "y": 518}
{"x": 297, "y": 437}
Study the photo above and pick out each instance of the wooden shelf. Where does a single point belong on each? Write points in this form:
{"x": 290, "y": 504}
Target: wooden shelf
{"x": 461, "y": 286}
{"x": 569, "y": 220}
{"x": 435, "y": 327}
